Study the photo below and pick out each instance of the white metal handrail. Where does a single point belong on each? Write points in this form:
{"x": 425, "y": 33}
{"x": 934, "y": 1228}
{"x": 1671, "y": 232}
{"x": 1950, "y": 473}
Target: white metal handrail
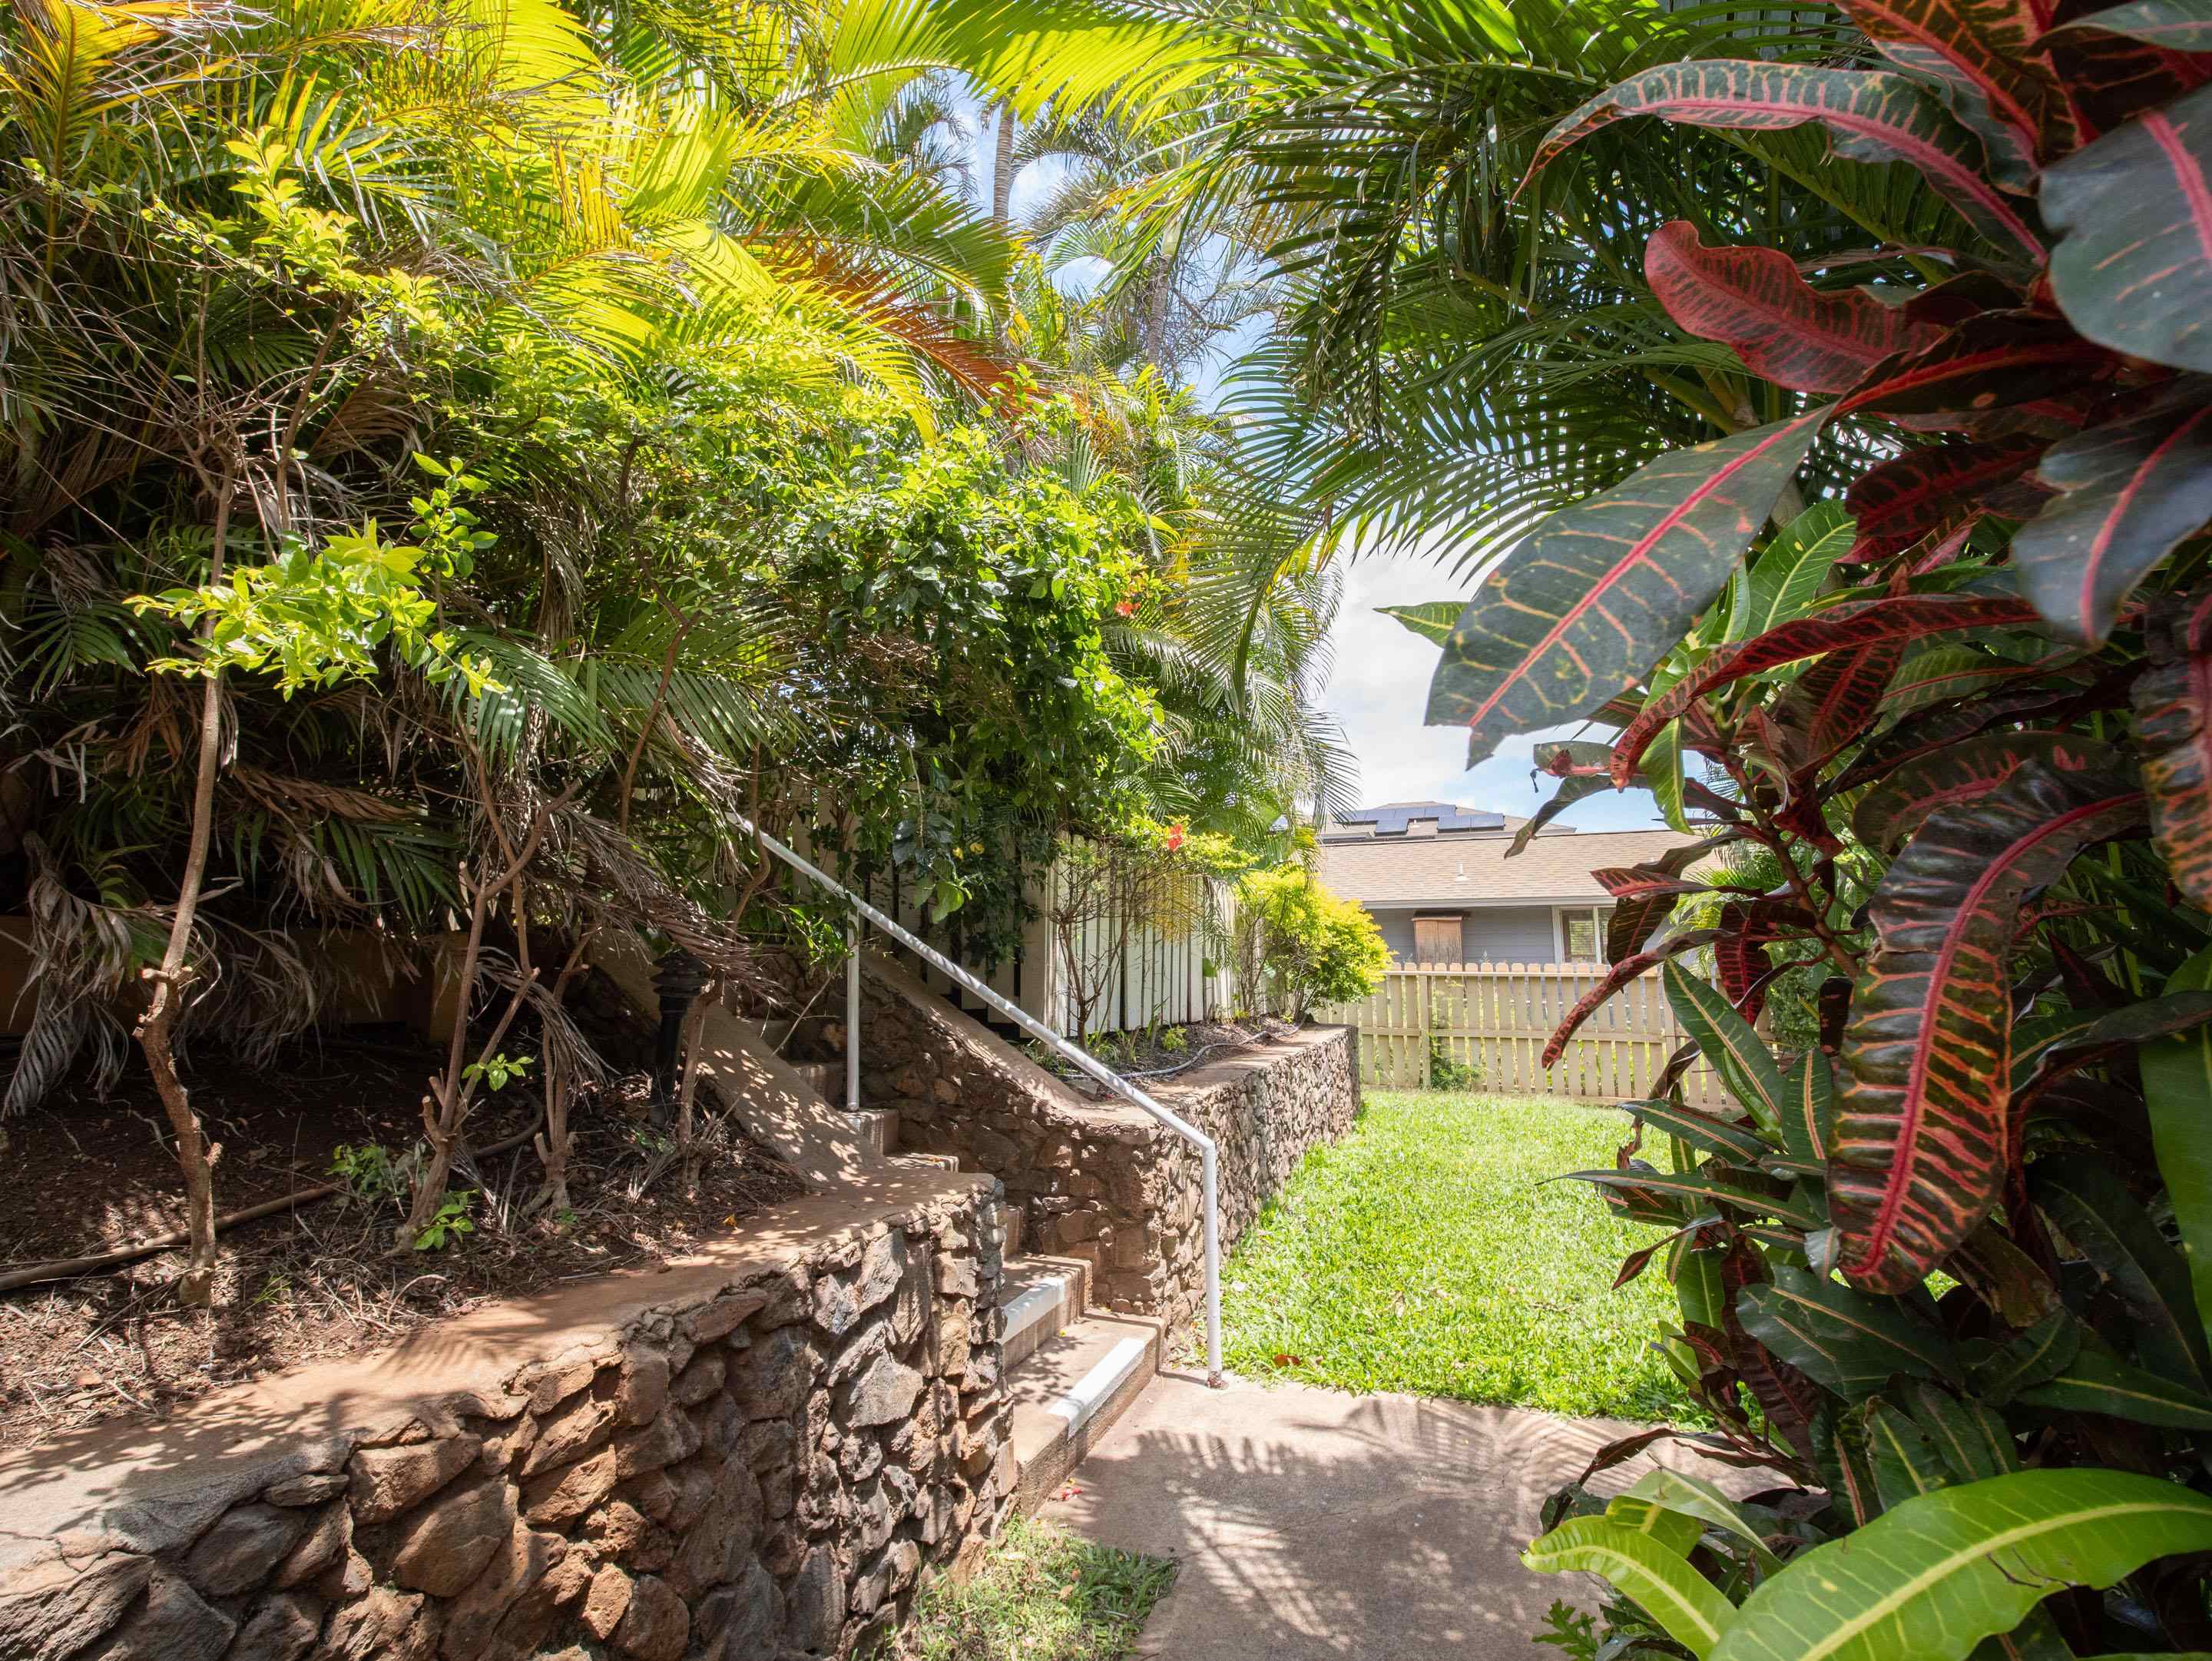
{"x": 1209, "y": 1153}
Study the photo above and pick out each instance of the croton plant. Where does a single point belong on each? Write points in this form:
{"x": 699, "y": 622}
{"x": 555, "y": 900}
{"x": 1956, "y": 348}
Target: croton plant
{"x": 1946, "y": 1278}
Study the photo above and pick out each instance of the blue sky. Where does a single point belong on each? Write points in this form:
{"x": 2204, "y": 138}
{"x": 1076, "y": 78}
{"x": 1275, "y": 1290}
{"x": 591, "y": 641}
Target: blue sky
{"x": 1378, "y": 689}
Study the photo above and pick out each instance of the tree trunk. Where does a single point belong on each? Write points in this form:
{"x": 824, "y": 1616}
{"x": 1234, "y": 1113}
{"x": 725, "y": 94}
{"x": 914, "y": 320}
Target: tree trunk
{"x": 553, "y": 1150}
{"x": 195, "y": 1155}
{"x": 447, "y": 1104}
{"x": 1002, "y": 165}
{"x": 553, "y": 1142}
{"x": 694, "y": 1032}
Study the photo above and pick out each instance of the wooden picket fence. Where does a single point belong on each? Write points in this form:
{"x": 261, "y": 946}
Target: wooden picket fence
{"x": 1495, "y": 1019}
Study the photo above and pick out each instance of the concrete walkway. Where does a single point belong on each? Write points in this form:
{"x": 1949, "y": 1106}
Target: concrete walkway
{"x": 1313, "y": 1525}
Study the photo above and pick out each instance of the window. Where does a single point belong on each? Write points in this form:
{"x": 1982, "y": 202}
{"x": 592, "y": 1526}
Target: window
{"x": 1581, "y": 933}
{"x": 1438, "y": 940}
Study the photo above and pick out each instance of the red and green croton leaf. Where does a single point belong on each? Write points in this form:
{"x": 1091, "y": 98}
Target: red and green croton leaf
{"x": 1642, "y": 895}
{"x": 1920, "y": 1150}
{"x": 1894, "y": 808}
{"x": 2113, "y": 75}
{"x": 1835, "y": 701}
{"x": 1870, "y": 116}
{"x": 1996, "y": 361}
{"x": 1980, "y": 53}
{"x": 1784, "y": 329}
{"x": 2174, "y": 25}
{"x": 1600, "y": 592}
{"x": 1617, "y": 977}
{"x": 1748, "y": 929}
{"x": 1851, "y": 626}
{"x": 2173, "y": 730}
{"x": 1580, "y": 766}
{"x": 2128, "y": 492}
{"x": 2133, "y": 268}
{"x": 1900, "y": 501}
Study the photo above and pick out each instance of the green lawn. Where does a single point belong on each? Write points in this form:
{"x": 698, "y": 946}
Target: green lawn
{"x": 1041, "y": 1595}
{"x": 1427, "y": 1253}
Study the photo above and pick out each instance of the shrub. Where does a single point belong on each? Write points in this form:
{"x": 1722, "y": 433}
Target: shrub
{"x": 1304, "y": 946}
{"x": 1448, "y": 1072}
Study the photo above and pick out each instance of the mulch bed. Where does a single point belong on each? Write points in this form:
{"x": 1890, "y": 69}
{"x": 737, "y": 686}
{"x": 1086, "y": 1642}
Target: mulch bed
{"x": 88, "y": 1175}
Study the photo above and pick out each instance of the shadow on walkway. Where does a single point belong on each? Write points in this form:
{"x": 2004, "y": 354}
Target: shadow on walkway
{"x": 1313, "y": 1524}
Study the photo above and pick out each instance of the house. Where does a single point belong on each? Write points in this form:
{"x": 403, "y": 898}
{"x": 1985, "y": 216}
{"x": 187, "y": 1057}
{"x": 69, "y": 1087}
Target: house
{"x": 1435, "y": 876}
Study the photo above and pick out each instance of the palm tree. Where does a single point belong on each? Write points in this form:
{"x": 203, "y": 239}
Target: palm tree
{"x": 1457, "y": 356}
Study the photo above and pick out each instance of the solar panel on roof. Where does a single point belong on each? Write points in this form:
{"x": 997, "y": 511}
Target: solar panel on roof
{"x": 1394, "y": 819}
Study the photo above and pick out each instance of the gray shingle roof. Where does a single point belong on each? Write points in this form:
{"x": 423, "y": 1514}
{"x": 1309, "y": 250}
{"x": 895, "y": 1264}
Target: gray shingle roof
{"x": 1472, "y": 870}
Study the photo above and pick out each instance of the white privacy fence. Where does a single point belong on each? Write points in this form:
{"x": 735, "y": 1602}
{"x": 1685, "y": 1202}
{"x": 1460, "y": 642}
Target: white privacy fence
{"x": 1484, "y": 1026}
{"x": 1115, "y": 945}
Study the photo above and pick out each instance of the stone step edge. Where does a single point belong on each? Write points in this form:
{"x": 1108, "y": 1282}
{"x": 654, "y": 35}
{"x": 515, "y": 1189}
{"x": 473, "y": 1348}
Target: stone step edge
{"x": 877, "y": 1127}
{"x": 1087, "y": 1410}
{"x": 1038, "y": 1310}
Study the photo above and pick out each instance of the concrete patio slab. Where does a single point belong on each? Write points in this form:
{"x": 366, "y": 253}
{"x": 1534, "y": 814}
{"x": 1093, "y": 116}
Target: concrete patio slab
{"x": 1312, "y": 1525}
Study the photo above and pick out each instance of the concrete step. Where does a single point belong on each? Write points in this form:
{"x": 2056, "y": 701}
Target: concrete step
{"x": 1068, "y": 1394}
{"x": 876, "y": 1128}
{"x": 928, "y": 1161}
{"x": 826, "y": 1079}
{"x": 1040, "y": 1296}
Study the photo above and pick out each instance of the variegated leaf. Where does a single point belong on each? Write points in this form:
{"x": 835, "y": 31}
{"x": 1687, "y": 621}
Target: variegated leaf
{"x": 1600, "y": 592}
{"x": 2133, "y": 268}
{"x": 1893, "y": 809}
{"x": 1901, "y": 501}
{"x": 1993, "y": 362}
{"x": 1853, "y": 1343}
{"x": 1618, "y": 977}
{"x": 1921, "y": 1145}
{"x": 1855, "y": 623}
{"x": 2174, "y": 25}
{"x": 2128, "y": 492}
{"x": 1981, "y": 53}
{"x": 1869, "y": 116}
{"x": 2173, "y": 729}
{"x": 1784, "y": 329}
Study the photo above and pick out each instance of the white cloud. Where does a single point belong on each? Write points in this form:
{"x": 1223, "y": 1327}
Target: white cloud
{"x": 1381, "y": 684}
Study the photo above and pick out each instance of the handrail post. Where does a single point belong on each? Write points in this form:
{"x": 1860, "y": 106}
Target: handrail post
{"x": 1210, "y": 1194}
{"x": 1082, "y": 1059}
{"x": 853, "y": 1014}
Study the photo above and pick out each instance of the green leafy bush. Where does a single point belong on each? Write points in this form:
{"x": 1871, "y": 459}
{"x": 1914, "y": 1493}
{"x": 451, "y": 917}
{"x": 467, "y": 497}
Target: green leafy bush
{"x": 1304, "y": 946}
{"x": 1448, "y": 1072}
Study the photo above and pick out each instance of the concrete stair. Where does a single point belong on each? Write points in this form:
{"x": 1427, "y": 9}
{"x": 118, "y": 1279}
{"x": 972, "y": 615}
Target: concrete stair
{"x": 1040, "y": 1297}
{"x": 1072, "y": 1373}
{"x": 876, "y": 1128}
{"x": 827, "y": 1078}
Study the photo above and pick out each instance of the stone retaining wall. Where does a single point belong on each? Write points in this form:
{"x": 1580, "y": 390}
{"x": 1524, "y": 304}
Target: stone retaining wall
{"x": 1101, "y": 1180}
{"x": 755, "y": 1458}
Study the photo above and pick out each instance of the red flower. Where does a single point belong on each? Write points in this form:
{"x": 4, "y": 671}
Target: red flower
{"x": 1175, "y": 838}
{"x": 1125, "y": 608}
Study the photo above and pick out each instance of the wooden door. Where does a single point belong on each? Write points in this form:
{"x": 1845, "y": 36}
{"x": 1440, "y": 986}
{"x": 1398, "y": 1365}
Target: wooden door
{"x": 1436, "y": 940}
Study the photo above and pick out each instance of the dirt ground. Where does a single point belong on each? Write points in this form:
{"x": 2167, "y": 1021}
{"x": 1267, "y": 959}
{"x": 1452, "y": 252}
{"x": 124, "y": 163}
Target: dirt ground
{"x": 88, "y": 1175}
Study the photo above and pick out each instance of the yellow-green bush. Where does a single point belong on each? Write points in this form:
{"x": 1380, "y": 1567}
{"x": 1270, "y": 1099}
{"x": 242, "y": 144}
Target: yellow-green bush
{"x": 1302, "y": 945}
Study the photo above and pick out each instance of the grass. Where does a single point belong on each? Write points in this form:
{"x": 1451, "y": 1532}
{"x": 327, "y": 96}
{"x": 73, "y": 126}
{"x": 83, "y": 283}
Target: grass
{"x": 1041, "y": 1595}
{"x": 1427, "y": 1253}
